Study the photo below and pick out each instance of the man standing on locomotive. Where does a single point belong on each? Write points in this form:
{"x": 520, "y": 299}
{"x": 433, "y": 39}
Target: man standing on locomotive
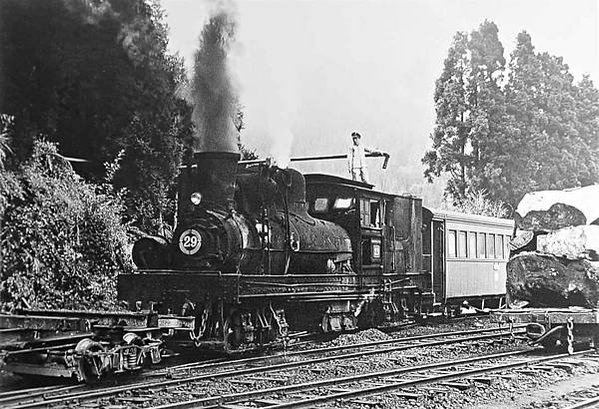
{"x": 356, "y": 158}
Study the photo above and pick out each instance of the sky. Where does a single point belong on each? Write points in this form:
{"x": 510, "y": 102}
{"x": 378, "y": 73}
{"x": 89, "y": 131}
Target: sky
{"x": 309, "y": 73}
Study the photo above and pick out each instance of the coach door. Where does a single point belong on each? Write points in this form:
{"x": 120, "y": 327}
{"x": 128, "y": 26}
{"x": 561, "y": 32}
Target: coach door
{"x": 438, "y": 262}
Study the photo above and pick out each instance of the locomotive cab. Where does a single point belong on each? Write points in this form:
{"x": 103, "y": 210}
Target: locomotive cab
{"x": 386, "y": 233}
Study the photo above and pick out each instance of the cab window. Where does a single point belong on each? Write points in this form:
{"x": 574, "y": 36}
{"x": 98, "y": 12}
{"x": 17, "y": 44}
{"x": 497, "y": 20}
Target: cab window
{"x": 370, "y": 213}
{"x": 321, "y": 205}
{"x": 342, "y": 203}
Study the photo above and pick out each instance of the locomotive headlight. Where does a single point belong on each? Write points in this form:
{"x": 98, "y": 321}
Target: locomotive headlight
{"x": 196, "y": 198}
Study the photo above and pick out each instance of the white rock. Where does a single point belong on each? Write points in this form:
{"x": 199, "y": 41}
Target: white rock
{"x": 585, "y": 199}
{"x": 575, "y": 242}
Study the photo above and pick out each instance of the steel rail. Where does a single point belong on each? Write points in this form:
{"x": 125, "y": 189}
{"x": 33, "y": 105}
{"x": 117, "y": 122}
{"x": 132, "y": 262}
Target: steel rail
{"x": 195, "y": 365}
{"x": 215, "y": 401}
{"x": 25, "y": 391}
{"x": 247, "y": 371}
{"x": 32, "y": 393}
{"x": 433, "y": 379}
{"x": 587, "y": 403}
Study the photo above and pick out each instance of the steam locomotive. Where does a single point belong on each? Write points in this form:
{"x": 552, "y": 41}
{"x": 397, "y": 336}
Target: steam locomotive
{"x": 259, "y": 251}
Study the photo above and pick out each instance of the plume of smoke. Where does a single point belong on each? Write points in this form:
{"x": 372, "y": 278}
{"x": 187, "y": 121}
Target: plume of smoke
{"x": 213, "y": 91}
{"x": 270, "y": 91}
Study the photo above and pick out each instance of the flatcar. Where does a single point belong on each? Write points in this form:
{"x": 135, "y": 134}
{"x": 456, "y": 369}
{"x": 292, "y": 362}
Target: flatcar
{"x": 466, "y": 256}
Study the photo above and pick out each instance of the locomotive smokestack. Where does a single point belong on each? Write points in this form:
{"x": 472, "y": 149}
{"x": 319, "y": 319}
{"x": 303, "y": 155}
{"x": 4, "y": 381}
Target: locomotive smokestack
{"x": 212, "y": 89}
{"x": 215, "y": 176}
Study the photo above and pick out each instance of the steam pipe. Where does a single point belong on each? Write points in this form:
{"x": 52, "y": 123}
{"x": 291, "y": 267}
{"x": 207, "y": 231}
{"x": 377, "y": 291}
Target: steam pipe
{"x": 321, "y": 157}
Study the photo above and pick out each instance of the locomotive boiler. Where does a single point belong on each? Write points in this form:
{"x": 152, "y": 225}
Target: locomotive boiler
{"x": 250, "y": 262}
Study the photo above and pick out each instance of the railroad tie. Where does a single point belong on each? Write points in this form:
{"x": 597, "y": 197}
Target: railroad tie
{"x": 432, "y": 389}
{"x": 530, "y": 372}
{"x": 267, "y": 402}
{"x": 483, "y": 379}
{"x": 365, "y": 402}
{"x": 462, "y": 386}
{"x": 507, "y": 376}
{"x": 545, "y": 368}
{"x": 406, "y": 395}
{"x": 561, "y": 365}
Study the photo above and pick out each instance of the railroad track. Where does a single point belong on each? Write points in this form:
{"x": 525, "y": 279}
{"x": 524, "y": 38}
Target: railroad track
{"x": 307, "y": 395}
{"x": 580, "y": 399}
{"x": 232, "y": 372}
{"x": 585, "y": 403}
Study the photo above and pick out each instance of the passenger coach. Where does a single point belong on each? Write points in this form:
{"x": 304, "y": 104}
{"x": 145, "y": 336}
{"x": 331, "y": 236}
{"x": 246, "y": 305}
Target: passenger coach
{"x": 467, "y": 256}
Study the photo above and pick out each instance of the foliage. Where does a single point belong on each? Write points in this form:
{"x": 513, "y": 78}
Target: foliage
{"x": 62, "y": 240}
{"x": 6, "y": 126}
{"x": 468, "y": 103}
{"x": 239, "y": 123}
{"x": 95, "y": 76}
{"x": 508, "y": 134}
{"x": 9, "y": 185}
{"x": 479, "y": 202}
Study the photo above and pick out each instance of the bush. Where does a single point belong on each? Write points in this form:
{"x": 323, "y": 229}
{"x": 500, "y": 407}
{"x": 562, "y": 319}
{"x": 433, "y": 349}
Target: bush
{"x": 479, "y": 202}
{"x": 63, "y": 242}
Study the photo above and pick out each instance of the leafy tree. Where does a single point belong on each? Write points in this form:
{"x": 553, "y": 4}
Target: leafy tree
{"x": 470, "y": 111}
{"x": 539, "y": 131}
{"x": 553, "y": 146}
{"x": 63, "y": 243}
{"x": 95, "y": 76}
{"x": 239, "y": 123}
{"x": 587, "y": 126}
{"x": 6, "y": 124}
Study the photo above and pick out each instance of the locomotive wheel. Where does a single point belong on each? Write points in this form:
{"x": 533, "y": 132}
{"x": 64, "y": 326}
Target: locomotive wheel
{"x": 90, "y": 366}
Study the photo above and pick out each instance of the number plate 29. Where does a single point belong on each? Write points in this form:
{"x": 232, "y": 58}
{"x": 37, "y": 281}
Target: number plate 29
{"x": 190, "y": 242}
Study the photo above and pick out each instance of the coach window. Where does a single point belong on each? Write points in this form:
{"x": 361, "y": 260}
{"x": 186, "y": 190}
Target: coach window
{"x": 506, "y": 246}
{"x": 462, "y": 247}
{"x": 499, "y": 246}
{"x": 491, "y": 246}
{"x": 451, "y": 244}
{"x": 471, "y": 244}
{"x": 482, "y": 242}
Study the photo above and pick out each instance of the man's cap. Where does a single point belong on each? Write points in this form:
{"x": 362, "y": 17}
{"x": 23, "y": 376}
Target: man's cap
{"x": 355, "y": 135}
